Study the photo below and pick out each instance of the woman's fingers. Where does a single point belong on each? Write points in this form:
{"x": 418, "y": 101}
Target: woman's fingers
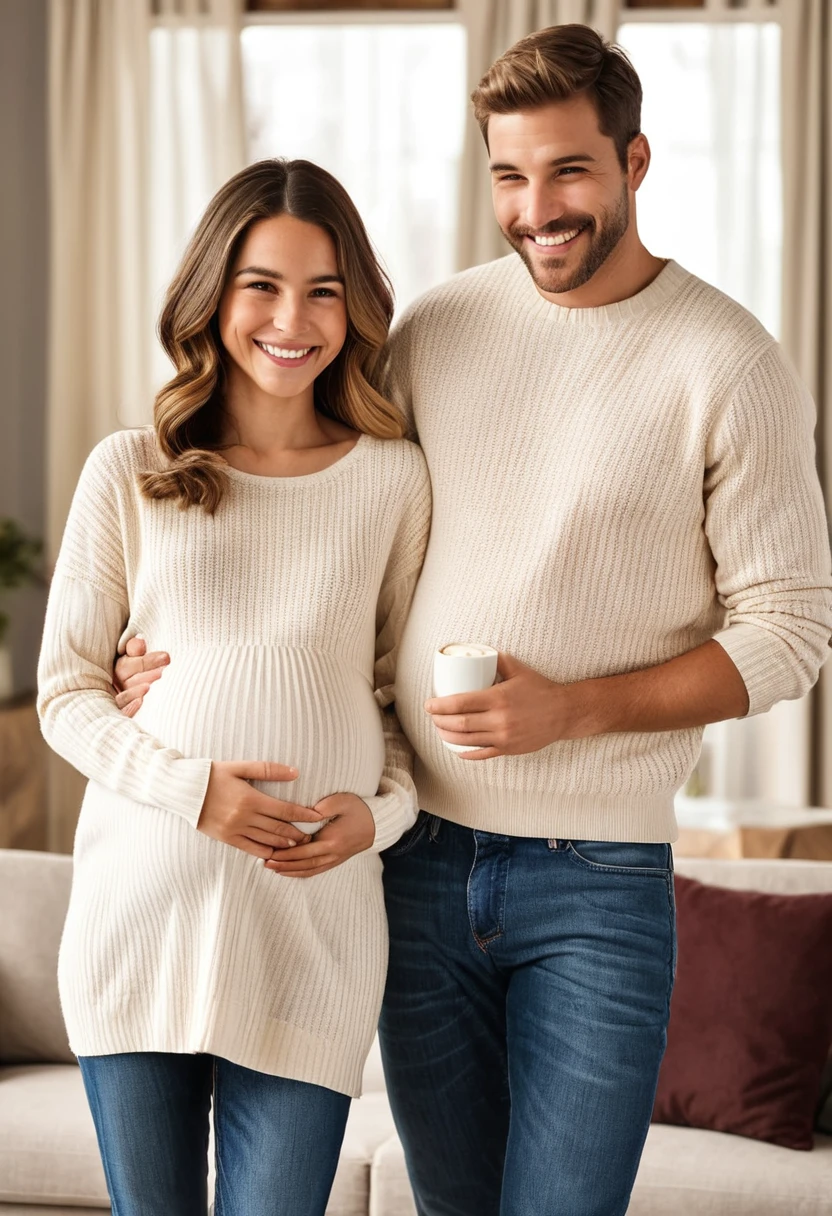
{"x": 304, "y": 861}
{"x": 281, "y": 838}
{"x": 275, "y": 809}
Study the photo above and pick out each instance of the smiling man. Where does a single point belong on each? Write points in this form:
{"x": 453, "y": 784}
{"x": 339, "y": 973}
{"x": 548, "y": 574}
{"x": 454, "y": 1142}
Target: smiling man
{"x": 626, "y": 505}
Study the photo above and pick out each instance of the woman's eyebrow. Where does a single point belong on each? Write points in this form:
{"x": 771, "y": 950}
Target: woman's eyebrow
{"x": 275, "y": 274}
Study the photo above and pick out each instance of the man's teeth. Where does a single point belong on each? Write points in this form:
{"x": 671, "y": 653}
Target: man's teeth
{"x": 560, "y": 239}
{"x": 279, "y": 353}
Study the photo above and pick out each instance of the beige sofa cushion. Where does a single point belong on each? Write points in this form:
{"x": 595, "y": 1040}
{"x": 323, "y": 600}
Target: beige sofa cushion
{"x": 48, "y": 1150}
{"x": 684, "y": 1171}
{"x": 34, "y": 895}
{"x": 695, "y": 1173}
{"x": 781, "y": 877}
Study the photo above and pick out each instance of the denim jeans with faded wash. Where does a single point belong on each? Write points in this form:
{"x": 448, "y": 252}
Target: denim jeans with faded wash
{"x": 525, "y": 1016}
{"x": 277, "y": 1140}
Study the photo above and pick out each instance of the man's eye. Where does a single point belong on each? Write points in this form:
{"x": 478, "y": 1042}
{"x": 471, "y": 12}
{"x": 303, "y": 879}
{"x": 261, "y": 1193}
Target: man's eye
{"x": 571, "y": 169}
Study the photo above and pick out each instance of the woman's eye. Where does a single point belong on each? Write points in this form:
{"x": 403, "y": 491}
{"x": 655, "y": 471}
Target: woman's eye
{"x": 261, "y": 286}
{"x": 323, "y": 291}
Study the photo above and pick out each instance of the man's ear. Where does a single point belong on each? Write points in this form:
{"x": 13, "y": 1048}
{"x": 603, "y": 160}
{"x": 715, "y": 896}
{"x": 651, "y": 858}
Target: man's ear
{"x": 638, "y": 161}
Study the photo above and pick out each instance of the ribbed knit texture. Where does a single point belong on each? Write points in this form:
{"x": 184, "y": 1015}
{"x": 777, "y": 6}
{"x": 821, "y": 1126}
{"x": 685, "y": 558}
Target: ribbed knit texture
{"x": 282, "y": 614}
{"x": 612, "y": 486}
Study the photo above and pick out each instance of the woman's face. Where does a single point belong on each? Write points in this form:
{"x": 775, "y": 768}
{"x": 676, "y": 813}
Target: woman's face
{"x": 282, "y": 315}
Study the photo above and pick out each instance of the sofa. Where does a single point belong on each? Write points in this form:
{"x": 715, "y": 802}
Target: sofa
{"x": 49, "y": 1161}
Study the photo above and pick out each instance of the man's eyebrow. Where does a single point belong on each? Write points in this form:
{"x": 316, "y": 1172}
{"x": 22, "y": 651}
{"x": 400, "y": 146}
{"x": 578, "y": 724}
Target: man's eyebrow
{"x": 500, "y": 167}
{"x": 275, "y": 274}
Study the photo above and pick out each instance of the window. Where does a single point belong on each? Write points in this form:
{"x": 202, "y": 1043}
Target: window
{"x": 382, "y": 107}
{"x": 712, "y": 197}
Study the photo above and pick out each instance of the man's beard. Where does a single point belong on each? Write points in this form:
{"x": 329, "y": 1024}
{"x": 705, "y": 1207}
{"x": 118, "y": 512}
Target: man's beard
{"x": 602, "y": 241}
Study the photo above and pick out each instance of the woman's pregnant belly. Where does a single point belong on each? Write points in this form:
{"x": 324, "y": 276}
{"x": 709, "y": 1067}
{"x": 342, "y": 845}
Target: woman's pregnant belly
{"x": 307, "y": 708}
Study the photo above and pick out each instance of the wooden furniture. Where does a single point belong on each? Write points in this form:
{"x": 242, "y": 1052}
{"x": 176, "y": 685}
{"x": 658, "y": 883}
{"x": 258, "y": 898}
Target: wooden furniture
{"x": 712, "y": 827}
{"x": 23, "y": 767}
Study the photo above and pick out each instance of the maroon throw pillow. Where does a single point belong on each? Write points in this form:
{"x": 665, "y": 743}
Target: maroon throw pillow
{"x": 751, "y": 1014}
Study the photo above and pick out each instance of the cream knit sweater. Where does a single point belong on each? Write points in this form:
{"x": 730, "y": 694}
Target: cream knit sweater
{"x": 282, "y": 614}
{"x": 611, "y": 487}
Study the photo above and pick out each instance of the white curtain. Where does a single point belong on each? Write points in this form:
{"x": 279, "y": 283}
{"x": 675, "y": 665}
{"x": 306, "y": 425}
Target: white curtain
{"x": 807, "y": 279}
{"x": 108, "y": 233}
{"x": 98, "y": 354}
{"x": 493, "y": 26}
{"x": 197, "y": 139}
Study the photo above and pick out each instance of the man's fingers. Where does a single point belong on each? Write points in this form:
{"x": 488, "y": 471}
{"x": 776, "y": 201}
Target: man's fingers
{"x": 463, "y": 724}
{"x": 485, "y": 753}
{"x": 145, "y": 662}
{"x": 508, "y": 666}
{"x": 473, "y": 739}
{"x": 131, "y": 695}
{"x": 135, "y": 646}
{"x": 462, "y": 702}
{"x": 142, "y": 677}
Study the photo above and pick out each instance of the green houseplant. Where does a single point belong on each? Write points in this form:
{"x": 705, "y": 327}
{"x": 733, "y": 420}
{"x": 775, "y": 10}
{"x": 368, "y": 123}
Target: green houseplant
{"x": 19, "y": 564}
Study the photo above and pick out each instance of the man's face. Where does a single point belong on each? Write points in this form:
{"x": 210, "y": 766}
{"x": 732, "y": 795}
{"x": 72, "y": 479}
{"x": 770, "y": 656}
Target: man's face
{"x": 560, "y": 194}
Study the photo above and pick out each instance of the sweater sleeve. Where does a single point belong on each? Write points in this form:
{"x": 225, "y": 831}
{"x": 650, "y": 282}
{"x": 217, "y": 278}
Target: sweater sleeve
{"x": 87, "y": 611}
{"x": 395, "y": 806}
{"x": 766, "y": 525}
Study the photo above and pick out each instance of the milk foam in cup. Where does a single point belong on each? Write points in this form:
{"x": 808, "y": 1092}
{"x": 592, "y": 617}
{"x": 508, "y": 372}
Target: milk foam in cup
{"x": 463, "y": 667}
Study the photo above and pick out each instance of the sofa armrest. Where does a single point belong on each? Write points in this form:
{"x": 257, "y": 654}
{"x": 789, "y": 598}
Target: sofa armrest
{"x": 34, "y": 894}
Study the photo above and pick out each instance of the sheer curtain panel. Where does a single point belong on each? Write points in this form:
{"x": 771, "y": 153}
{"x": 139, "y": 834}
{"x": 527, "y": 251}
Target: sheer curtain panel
{"x": 807, "y": 272}
{"x": 98, "y": 169}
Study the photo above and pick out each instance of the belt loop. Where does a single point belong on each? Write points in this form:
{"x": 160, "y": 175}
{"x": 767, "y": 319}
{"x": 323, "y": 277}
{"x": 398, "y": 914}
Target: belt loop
{"x": 434, "y": 826}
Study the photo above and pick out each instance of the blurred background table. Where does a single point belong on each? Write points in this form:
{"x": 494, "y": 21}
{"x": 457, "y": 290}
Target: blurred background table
{"x": 23, "y": 767}
{"x": 712, "y": 827}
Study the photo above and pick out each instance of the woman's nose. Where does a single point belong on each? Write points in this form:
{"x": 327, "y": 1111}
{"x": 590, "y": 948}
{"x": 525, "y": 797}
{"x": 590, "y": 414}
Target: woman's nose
{"x": 289, "y": 315}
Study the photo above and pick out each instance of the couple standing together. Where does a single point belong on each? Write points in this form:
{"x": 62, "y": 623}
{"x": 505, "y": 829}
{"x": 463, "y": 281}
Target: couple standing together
{"x": 624, "y": 504}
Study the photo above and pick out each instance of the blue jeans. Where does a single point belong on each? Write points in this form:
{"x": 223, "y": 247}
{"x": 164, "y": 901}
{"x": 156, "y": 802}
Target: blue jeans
{"x": 277, "y": 1141}
{"x": 524, "y": 1018}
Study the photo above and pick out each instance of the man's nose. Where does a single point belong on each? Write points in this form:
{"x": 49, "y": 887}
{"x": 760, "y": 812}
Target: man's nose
{"x": 542, "y": 206}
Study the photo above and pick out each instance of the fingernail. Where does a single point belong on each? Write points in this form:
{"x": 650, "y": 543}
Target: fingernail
{"x": 292, "y": 843}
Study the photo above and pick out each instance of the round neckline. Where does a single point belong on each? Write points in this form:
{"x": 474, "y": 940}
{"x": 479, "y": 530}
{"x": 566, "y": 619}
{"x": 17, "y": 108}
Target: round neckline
{"x": 666, "y": 283}
{"x": 332, "y": 470}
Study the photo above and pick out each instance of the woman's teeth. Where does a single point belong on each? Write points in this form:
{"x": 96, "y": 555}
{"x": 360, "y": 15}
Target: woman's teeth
{"x": 279, "y": 353}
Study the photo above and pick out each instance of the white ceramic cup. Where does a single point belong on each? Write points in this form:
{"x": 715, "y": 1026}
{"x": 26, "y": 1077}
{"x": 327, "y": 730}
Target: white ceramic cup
{"x": 463, "y": 667}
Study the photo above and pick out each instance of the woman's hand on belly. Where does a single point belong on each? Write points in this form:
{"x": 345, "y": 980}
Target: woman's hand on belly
{"x": 351, "y": 829}
{"x": 238, "y": 815}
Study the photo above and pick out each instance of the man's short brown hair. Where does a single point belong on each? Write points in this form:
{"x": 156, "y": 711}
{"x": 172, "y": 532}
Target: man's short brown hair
{"x": 555, "y": 64}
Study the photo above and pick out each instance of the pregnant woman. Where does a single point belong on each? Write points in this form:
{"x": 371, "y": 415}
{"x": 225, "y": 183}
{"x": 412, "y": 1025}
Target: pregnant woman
{"x": 268, "y": 529}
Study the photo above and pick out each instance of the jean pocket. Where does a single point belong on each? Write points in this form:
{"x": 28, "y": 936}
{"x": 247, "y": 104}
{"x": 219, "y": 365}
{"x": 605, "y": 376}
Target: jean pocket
{"x": 622, "y": 857}
{"x": 411, "y": 837}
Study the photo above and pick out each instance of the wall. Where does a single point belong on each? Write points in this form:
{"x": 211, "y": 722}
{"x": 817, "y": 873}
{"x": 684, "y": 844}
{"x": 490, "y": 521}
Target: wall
{"x": 24, "y": 237}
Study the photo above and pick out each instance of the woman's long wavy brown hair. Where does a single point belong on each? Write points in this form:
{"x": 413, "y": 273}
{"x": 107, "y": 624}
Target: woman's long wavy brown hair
{"x": 188, "y": 411}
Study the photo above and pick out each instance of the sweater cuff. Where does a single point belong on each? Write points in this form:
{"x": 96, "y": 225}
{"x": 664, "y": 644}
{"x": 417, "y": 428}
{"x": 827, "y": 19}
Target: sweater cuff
{"x": 766, "y": 677}
{"x": 394, "y": 811}
{"x": 177, "y": 784}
